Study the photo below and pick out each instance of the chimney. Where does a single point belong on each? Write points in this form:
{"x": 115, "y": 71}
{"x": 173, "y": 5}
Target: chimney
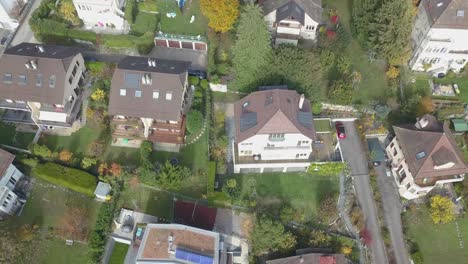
{"x": 421, "y": 123}
{"x": 148, "y": 78}
{"x": 153, "y": 63}
{"x": 149, "y": 62}
{"x": 143, "y": 79}
{"x": 40, "y": 48}
{"x": 27, "y": 65}
{"x": 33, "y": 64}
{"x": 301, "y": 101}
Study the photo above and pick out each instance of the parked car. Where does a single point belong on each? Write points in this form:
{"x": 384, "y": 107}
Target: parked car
{"x": 198, "y": 73}
{"x": 455, "y": 88}
{"x": 340, "y": 130}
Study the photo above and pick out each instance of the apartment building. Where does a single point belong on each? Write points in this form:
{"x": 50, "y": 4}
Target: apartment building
{"x": 9, "y": 177}
{"x": 147, "y": 101}
{"x": 274, "y": 131}
{"x": 41, "y": 85}
{"x": 10, "y": 11}
{"x": 102, "y": 14}
{"x": 440, "y": 36}
{"x": 424, "y": 155}
{"x": 291, "y": 20}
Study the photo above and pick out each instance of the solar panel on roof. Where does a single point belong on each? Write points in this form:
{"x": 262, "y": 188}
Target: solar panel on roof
{"x": 305, "y": 118}
{"x": 192, "y": 257}
{"x": 247, "y": 120}
{"x": 132, "y": 80}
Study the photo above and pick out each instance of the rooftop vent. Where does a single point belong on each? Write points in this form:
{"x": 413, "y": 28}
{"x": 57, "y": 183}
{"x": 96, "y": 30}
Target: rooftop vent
{"x": 440, "y": 4}
{"x": 151, "y": 63}
{"x": 421, "y": 123}
{"x": 33, "y": 64}
{"x": 301, "y": 101}
{"x": 40, "y": 48}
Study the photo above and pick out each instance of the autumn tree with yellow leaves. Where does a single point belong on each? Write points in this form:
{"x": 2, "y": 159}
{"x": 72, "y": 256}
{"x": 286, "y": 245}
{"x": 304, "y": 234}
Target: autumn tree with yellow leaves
{"x": 441, "y": 209}
{"x": 221, "y": 14}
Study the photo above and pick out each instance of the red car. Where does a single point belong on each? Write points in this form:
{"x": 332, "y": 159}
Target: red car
{"x": 340, "y": 130}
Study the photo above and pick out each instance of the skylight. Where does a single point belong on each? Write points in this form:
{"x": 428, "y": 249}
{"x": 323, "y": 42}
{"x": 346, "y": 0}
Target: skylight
{"x": 420, "y": 155}
{"x": 460, "y": 13}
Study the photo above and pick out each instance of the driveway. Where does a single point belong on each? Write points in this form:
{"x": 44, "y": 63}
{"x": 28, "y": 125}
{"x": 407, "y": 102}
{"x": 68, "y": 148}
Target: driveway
{"x": 354, "y": 155}
{"x": 198, "y": 58}
{"x": 392, "y": 213}
{"x": 23, "y": 32}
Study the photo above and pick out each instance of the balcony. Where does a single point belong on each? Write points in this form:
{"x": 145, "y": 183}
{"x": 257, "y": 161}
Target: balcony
{"x": 14, "y": 105}
{"x": 130, "y": 128}
{"x": 168, "y": 133}
{"x": 250, "y": 159}
{"x": 432, "y": 181}
{"x": 286, "y": 147}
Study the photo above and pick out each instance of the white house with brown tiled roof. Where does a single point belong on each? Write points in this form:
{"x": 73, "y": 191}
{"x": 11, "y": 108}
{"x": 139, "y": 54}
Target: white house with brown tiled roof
{"x": 9, "y": 176}
{"x": 424, "y": 155}
{"x": 274, "y": 132}
{"x": 440, "y": 36}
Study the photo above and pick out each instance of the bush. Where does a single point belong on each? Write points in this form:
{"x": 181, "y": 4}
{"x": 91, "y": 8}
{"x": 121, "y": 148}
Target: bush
{"x": 223, "y": 69}
{"x": 204, "y": 84}
{"x": 95, "y": 67}
{"x": 194, "y": 121}
{"x": 193, "y": 80}
{"x": 82, "y": 35}
{"x": 131, "y": 9}
{"x": 417, "y": 257}
{"x": 118, "y": 41}
{"x": 146, "y": 148}
{"x": 41, "y": 150}
{"x": 30, "y": 162}
{"x": 316, "y": 108}
{"x": 211, "y": 177}
{"x": 76, "y": 180}
{"x": 144, "y": 22}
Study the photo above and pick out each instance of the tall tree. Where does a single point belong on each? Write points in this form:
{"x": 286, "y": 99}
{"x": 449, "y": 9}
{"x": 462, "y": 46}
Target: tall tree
{"x": 362, "y": 14}
{"x": 252, "y": 49}
{"x": 221, "y": 13}
{"x": 270, "y": 236}
{"x": 442, "y": 210}
{"x": 390, "y": 31}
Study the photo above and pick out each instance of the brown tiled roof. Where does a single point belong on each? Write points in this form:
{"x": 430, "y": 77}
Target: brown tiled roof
{"x": 6, "y": 158}
{"x": 425, "y": 148}
{"x": 155, "y": 244}
{"x": 276, "y": 111}
{"x": 313, "y": 258}
{"x": 313, "y": 8}
{"x": 54, "y": 60}
{"x": 167, "y": 76}
{"x": 443, "y": 13}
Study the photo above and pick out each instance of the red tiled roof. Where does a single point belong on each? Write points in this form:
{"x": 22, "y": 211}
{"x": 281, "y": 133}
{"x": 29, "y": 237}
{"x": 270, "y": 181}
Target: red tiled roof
{"x": 327, "y": 260}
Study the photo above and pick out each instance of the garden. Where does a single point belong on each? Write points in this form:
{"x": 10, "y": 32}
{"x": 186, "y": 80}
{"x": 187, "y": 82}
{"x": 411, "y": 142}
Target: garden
{"x": 118, "y": 253}
{"x": 9, "y": 136}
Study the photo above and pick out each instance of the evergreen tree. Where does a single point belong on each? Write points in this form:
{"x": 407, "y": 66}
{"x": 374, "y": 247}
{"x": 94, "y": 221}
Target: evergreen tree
{"x": 362, "y": 15}
{"x": 252, "y": 49}
{"x": 390, "y": 31}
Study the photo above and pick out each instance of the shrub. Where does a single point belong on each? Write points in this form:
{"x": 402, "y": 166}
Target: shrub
{"x": 87, "y": 162}
{"x": 204, "y": 84}
{"x": 31, "y": 162}
{"x": 76, "y": 180}
{"x": 193, "y": 80}
{"x": 326, "y": 169}
{"x": 82, "y": 35}
{"x": 223, "y": 69}
{"x": 211, "y": 177}
{"x": 144, "y": 22}
{"x": 146, "y": 148}
{"x": 65, "y": 156}
{"x": 131, "y": 9}
{"x": 194, "y": 121}
{"x": 41, "y": 150}
{"x": 95, "y": 67}
{"x": 316, "y": 108}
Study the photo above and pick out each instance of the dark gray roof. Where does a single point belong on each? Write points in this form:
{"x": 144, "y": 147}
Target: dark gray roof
{"x": 49, "y": 51}
{"x": 447, "y": 13}
{"x": 305, "y": 118}
{"x": 167, "y": 77}
{"x": 312, "y": 8}
{"x": 247, "y": 120}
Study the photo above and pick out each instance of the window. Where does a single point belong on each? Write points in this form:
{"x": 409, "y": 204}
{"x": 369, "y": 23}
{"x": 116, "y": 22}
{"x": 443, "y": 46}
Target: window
{"x": 137, "y": 93}
{"x": 123, "y": 92}
{"x": 7, "y": 78}
{"x": 276, "y": 137}
{"x": 155, "y": 94}
{"x": 412, "y": 190}
{"x": 70, "y": 80}
{"x": 248, "y": 152}
{"x": 8, "y": 197}
{"x": 5, "y": 203}
{"x": 12, "y": 181}
{"x": 38, "y": 80}
{"x": 408, "y": 185}
{"x": 460, "y": 13}
{"x": 22, "y": 79}
{"x": 169, "y": 96}
{"x": 52, "y": 81}
{"x": 305, "y": 142}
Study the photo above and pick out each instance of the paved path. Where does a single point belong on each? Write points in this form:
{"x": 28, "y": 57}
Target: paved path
{"x": 354, "y": 155}
{"x": 24, "y": 32}
{"x": 392, "y": 214}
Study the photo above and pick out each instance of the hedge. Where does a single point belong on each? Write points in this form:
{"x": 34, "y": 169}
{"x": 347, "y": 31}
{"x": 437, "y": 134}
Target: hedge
{"x": 76, "y": 180}
{"x": 211, "y": 177}
{"x": 326, "y": 169}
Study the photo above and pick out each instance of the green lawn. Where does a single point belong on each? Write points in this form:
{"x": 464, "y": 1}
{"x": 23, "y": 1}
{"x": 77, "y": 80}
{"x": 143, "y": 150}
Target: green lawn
{"x": 181, "y": 23}
{"x": 373, "y": 83}
{"x": 118, "y": 253}
{"x": 148, "y": 5}
{"x": 77, "y": 143}
{"x": 463, "y": 146}
{"x": 148, "y": 201}
{"x": 9, "y": 136}
{"x": 144, "y": 22}
{"x": 45, "y": 207}
{"x": 301, "y": 191}
{"x": 322, "y": 125}
{"x": 437, "y": 243}
{"x": 220, "y": 97}
{"x": 461, "y": 81}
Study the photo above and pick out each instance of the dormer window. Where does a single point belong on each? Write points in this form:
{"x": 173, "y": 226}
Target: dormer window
{"x": 137, "y": 93}
{"x": 22, "y": 79}
{"x": 123, "y": 92}
{"x": 52, "y": 81}
{"x": 169, "y": 96}
{"x": 155, "y": 94}
{"x": 7, "y": 78}
{"x": 460, "y": 13}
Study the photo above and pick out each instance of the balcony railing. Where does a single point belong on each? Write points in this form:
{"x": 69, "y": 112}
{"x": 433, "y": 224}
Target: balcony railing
{"x": 286, "y": 147}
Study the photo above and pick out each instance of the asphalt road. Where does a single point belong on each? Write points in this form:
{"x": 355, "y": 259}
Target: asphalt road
{"x": 354, "y": 155}
{"x": 392, "y": 214}
{"x": 24, "y": 32}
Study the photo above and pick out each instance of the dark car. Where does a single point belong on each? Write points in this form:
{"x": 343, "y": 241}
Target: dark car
{"x": 198, "y": 73}
{"x": 340, "y": 130}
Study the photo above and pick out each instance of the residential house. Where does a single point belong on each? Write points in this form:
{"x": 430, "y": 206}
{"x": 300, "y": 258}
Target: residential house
{"x": 311, "y": 258}
{"x": 102, "y": 14}
{"x": 424, "y": 155}
{"x": 274, "y": 131}
{"x": 440, "y": 36}
{"x": 291, "y": 20}
{"x": 179, "y": 244}
{"x": 41, "y": 85}
{"x": 147, "y": 101}
{"x": 9, "y": 177}
{"x": 9, "y": 13}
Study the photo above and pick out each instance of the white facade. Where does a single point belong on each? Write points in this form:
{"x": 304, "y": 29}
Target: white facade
{"x": 102, "y": 14}
{"x": 8, "y": 199}
{"x": 407, "y": 188}
{"x": 286, "y": 152}
{"x": 8, "y": 8}
{"x": 289, "y": 31}
{"x": 442, "y": 49}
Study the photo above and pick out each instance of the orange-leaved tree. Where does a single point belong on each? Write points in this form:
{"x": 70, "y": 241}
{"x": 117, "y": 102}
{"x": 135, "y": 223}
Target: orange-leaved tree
{"x": 221, "y": 13}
